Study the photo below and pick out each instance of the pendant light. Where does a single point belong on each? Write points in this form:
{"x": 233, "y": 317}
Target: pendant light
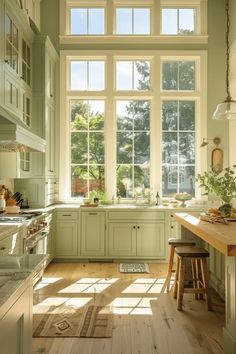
{"x": 226, "y": 109}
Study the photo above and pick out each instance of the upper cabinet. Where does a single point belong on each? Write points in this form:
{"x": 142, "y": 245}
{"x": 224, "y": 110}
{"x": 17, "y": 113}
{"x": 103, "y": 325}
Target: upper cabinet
{"x": 31, "y": 9}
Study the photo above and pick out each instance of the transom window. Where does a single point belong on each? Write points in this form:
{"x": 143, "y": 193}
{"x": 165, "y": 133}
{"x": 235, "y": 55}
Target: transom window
{"x": 178, "y": 21}
{"x": 178, "y": 75}
{"x": 133, "y": 21}
{"x": 87, "y": 75}
{"x": 133, "y": 75}
{"x": 87, "y": 21}
{"x": 87, "y": 146}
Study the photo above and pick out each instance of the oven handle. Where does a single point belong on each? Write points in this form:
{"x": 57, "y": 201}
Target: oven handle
{"x": 32, "y": 241}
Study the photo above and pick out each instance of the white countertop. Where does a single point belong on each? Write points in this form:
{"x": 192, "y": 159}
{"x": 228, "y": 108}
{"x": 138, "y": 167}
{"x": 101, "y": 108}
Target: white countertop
{"x": 6, "y": 229}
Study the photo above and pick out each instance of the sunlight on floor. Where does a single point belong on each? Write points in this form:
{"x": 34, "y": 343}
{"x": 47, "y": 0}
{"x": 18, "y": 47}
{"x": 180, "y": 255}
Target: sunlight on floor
{"x": 89, "y": 285}
{"x": 74, "y": 302}
{"x": 45, "y": 282}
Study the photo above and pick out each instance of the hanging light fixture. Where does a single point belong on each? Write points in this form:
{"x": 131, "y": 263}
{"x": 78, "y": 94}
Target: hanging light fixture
{"x": 226, "y": 109}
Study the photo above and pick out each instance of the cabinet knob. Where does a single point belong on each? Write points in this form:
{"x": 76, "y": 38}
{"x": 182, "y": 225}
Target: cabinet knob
{"x": 51, "y": 95}
{"x": 6, "y": 61}
{"x": 133, "y": 227}
{"x": 172, "y": 227}
{"x": 138, "y": 227}
{"x": 2, "y": 248}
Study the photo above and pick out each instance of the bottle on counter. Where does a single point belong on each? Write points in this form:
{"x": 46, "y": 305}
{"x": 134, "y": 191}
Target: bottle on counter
{"x": 157, "y": 199}
{"x": 2, "y": 203}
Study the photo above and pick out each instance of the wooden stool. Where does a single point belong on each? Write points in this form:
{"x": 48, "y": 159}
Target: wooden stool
{"x": 198, "y": 258}
{"x": 174, "y": 242}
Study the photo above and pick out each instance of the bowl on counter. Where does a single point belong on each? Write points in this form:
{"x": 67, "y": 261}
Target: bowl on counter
{"x": 183, "y": 197}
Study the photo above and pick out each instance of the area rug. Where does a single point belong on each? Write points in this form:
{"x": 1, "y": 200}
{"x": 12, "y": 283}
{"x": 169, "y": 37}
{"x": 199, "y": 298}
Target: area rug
{"x": 67, "y": 321}
{"x": 134, "y": 268}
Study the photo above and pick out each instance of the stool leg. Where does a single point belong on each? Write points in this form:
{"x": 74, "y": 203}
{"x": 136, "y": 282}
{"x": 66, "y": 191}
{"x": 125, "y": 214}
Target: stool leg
{"x": 199, "y": 277}
{"x": 205, "y": 279}
{"x": 170, "y": 269}
{"x": 194, "y": 275}
{"x": 176, "y": 284}
{"x": 181, "y": 284}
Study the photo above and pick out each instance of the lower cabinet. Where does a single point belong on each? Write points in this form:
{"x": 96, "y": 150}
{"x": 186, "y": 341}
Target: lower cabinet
{"x": 11, "y": 244}
{"x": 66, "y": 239}
{"x": 93, "y": 233}
{"x": 16, "y": 326}
{"x": 136, "y": 239}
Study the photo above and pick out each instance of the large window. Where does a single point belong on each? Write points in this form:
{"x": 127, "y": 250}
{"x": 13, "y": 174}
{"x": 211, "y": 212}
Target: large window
{"x": 133, "y": 21}
{"x": 132, "y": 75}
{"x": 87, "y": 21}
{"x": 87, "y": 146}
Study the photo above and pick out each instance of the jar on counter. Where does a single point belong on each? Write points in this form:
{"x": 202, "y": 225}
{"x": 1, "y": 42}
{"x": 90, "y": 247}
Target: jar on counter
{"x": 2, "y": 204}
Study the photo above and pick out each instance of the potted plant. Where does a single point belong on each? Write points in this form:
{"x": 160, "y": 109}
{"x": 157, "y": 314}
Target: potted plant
{"x": 222, "y": 185}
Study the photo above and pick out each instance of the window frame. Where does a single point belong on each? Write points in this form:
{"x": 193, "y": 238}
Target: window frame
{"x": 110, "y": 95}
{"x": 85, "y": 7}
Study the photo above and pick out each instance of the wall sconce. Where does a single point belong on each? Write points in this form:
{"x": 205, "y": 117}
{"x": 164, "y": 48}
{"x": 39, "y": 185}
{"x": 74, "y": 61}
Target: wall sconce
{"x": 215, "y": 140}
{"x": 216, "y": 155}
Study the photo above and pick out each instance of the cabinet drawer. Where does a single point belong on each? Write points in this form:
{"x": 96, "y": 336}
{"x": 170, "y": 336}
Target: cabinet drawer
{"x": 67, "y": 215}
{"x": 136, "y": 215}
{"x": 10, "y": 245}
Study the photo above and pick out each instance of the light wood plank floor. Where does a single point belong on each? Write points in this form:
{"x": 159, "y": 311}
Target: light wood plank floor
{"x": 145, "y": 319}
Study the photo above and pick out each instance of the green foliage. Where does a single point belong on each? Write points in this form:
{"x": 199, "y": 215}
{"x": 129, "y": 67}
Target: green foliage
{"x": 222, "y": 185}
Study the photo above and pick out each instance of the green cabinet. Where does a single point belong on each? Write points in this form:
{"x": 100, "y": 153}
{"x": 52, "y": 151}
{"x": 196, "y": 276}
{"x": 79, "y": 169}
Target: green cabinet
{"x": 93, "y": 233}
{"x": 122, "y": 239}
{"x": 67, "y": 236}
{"x": 151, "y": 239}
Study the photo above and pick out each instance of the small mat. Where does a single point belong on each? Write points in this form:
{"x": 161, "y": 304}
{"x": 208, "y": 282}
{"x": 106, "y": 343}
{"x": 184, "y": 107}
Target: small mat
{"x": 67, "y": 321}
{"x": 134, "y": 268}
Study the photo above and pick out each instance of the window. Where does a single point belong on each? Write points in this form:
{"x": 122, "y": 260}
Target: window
{"x": 133, "y": 21}
{"x": 178, "y": 21}
{"x": 26, "y": 62}
{"x": 178, "y": 147}
{"x": 178, "y": 75}
{"x": 87, "y": 21}
{"x": 11, "y": 44}
{"x": 87, "y": 146}
{"x": 26, "y": 110}
{"x": 87, "y": 75}
{"x": 133, "y": 147}
{"x": 133, "y": 75}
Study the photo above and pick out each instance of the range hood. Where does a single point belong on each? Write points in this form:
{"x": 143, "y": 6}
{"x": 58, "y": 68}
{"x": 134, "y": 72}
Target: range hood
{"x": 14, "y": 137}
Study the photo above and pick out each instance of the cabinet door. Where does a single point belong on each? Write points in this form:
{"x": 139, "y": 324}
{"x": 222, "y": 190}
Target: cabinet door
{"x": 122, "y": 239}
{"x": 93, "y": 234}
{"x": 66, "y": 239}
{"x": 10, "y": 244}
{"x": 16, "y": 327}
{"x": 174, "y": 227}
{"x": 150, "y": 240}
{"x": 50, "y": 139}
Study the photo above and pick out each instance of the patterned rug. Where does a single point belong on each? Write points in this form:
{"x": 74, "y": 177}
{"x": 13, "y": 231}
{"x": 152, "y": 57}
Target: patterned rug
{"x": 134, "y": 268}
{"x": 67, "y": 321}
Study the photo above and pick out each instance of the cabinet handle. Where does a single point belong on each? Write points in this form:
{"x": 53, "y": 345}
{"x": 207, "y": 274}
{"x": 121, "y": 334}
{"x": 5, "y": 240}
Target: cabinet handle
{"x": 6, "y": 61}
{"x": 138, "y": 227}
{"x": 133, "y": 227}
{"x": 51, "y": 95}
{"x": 172, "y": 227}
{"x": 2, "y": 248}
{"x": 66, "y": 215}
{"x": 92, "y": 213}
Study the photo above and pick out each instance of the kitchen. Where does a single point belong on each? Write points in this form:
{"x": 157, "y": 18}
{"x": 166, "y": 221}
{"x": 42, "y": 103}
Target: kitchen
{"x": 42, "y": 64}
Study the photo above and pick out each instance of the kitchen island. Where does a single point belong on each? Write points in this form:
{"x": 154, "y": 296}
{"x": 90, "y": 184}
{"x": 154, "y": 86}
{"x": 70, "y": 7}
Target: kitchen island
{"x": 223, "y": 238}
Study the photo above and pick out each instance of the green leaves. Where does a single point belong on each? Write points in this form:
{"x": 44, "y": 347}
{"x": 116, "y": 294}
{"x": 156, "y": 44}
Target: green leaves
{"x": 222, "y": 185}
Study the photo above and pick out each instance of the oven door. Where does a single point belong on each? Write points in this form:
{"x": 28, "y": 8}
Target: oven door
{"x": 37, "y": 244}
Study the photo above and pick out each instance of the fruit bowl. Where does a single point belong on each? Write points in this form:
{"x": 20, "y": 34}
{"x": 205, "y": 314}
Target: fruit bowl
{"x": 182, "y": 197}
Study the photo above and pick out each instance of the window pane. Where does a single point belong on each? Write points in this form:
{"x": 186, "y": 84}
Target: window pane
{"x": 187, "y": 75}
{"x": 96, "y": 75}
{"x": 124, "y": 75}
{"x": 141, "y": 110}
{"x": 169, "y": 21}
{"x": 96, "y": 178}
{"x": 169, "y": 115}
{"x": 79, "y": 21}
{"x": 96, "y": 148}
{"x": 141, "y": 75}
{"x": 124, "y": 115}
{"x": 170, "y": 148}
{"x": 141, "y": 179}
{"x": 96, "y": 21}
{"x": 78, "y": 80}
{"x": 124, "y": 181}
{"x": 187, "y": 148}
{"x": 186, "y": 21}
{"x": 124, "y": 21}
{"x": 169, "y": 180}
{"x": 96, "y": 115}
{"x": 187, "y": 115}
{"x": 79, "y": 147}
{"x": 124, "y": 147}
{"x": 79, "y": 116}
{"x": 141, "y": 21}
{"x": 170, "y": 75}
{"x": 187, "y": 179}
{"x": 79, "y": 185}
{"x": 141, "y": 148}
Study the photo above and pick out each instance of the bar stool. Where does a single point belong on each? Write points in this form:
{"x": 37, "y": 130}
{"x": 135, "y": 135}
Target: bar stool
{"x": 174, "y": 242}
{"x": 198, "y": 258}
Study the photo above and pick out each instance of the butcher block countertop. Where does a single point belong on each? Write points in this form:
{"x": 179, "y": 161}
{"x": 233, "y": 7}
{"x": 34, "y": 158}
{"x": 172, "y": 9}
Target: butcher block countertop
{"x": 220, "y": 236}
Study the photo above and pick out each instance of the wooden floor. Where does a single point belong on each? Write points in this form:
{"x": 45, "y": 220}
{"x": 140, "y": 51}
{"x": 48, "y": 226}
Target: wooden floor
{"x": 145, "y": 319}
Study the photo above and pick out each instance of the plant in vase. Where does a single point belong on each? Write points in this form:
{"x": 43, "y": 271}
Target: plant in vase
{"x": 223, "y": 185}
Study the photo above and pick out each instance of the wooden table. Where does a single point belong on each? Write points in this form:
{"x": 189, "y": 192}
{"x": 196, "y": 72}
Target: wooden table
{"x": 223, "y": 238}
